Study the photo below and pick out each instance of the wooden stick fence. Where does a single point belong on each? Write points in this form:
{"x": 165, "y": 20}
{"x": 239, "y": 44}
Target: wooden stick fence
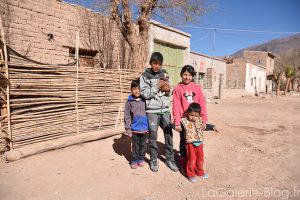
{"x": 5, "y": 136}
{"x": 50, "y": 102}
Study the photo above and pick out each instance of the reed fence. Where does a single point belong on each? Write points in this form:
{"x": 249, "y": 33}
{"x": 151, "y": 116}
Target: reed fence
{"x": 44, "y": 104}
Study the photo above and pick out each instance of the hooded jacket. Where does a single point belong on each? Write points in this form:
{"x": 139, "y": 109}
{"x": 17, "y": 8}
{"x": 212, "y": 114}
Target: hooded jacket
{"x": 149, "y": 90}
{"x": 183, "y": 96}
{"x": 135, "y": 118}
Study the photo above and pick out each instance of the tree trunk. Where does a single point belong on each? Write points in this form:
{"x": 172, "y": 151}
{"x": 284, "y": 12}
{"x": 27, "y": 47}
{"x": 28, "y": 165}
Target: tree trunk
{"x": 288, "y": 80}
{"x": 139, "y": 48}
{"x": 292, "y": 84}
{"x": 277, "y": 88}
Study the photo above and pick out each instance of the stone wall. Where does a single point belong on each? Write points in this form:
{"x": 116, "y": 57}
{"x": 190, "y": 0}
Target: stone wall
{"x": 29, "y": 24}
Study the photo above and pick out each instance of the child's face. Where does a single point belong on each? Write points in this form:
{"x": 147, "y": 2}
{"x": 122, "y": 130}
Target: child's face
{"x": 193, "y": 116}
{"x": 186, "y": 77}
{"x": 135, "y": 91}
{"x": 155, "y": 66}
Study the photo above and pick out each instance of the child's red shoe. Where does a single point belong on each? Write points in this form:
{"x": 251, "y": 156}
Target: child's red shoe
{"x": 134, "y": 165}
{"x": 141, "y": 163}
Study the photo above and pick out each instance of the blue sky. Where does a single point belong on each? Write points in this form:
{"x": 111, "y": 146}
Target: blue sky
{"x": 256, "y": 15}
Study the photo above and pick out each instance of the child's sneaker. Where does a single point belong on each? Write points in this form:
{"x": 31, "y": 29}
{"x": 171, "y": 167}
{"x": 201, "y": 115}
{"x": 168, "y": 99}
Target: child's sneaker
{"x": 141, "y": 163}
{"x": 154, "y": 165}
{"x": 172, "y": 165}
{"x": 134, "y": 165}
{"x": 192, "y": 179}
{"x": 204, "y": 176}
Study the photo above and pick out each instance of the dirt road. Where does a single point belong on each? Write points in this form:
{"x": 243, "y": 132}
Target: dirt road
{"x": 256, "y": 156}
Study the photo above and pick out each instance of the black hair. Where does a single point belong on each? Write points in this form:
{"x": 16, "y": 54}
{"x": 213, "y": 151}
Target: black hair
{"x": 188, "y": 68}
{"x": 194, "y": 107}
{"x": 156, "y": 56}
{"x": 135, "y": 83}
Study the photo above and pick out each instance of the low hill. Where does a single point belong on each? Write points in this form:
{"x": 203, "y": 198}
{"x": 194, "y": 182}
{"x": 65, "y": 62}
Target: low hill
{"x": 278, "y": 46}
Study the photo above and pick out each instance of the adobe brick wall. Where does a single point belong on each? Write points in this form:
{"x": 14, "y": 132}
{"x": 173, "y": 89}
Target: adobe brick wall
{"x": 256, "y": 58}
{"x": 27, "y": 23}
{"x": 236, "y": 73}
{"x": 260, "y": 58}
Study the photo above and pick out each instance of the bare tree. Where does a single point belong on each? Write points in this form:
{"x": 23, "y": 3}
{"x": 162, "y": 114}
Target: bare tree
{"x": 289, "y": 64}
{"x": 133, "y": 19}
{"x": 277, "y": 80}
{"x": 290, "y": 73}
{"x": 278, "y": 73}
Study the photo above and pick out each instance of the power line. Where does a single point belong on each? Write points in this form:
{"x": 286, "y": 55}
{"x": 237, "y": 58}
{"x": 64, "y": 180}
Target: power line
{"x": 240, "y": 30}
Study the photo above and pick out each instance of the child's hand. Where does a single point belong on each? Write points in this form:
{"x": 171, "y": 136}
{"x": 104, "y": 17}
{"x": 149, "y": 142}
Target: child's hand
{"x": 164, "y": 86}
{"x": 128, "y": 133}
{"x": 203, "y": 126}
{"x": 178, "y": 128}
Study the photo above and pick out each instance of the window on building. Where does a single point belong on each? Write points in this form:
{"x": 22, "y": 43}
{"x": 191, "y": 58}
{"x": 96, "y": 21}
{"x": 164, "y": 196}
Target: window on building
{"x": 87, "y": 57}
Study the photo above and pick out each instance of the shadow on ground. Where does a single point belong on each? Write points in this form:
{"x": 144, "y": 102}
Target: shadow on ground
{"x": 122, "y": 146}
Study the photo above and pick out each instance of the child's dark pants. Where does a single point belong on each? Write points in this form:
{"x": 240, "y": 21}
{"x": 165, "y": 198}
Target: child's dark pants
{"x": 139, "y": 146}
{"x": 162, "y": 120}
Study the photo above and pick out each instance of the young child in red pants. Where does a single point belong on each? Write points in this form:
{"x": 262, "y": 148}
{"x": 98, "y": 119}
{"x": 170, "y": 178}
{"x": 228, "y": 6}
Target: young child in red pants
{"x": 193, "y": 135}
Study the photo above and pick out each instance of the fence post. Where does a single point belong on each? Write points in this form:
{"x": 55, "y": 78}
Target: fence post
{"x": 77, "y": 69}
{"x": 7, "y": 87}
{"x": 220, "y": 85}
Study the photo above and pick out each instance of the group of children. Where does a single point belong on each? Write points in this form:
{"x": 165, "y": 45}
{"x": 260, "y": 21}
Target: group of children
{"x": 148, "y": 107}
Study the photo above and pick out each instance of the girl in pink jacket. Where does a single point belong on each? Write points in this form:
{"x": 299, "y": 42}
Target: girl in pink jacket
{"x": 185, "y": 93}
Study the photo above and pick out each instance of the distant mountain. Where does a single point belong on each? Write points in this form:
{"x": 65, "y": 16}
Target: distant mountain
{"x": 277, "y": 46}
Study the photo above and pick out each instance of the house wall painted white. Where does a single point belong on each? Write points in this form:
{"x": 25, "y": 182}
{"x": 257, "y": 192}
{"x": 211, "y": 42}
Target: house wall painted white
{"x": 255, "y": 82}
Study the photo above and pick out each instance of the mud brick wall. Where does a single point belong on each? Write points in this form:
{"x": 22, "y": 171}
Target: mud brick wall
{"x": 262, "y": 59}
{"x": 27, "y": 23}
{"x": 256, "y": 58}
{"x": 236, "y": 74}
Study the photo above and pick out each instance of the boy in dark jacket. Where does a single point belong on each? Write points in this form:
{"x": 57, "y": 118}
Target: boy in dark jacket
{"x": 136, "y": 125}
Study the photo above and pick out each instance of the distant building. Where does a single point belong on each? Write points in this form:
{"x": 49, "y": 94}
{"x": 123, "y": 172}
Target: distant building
{"x": 251, "y": 74}
{"x": 211, "y": 73}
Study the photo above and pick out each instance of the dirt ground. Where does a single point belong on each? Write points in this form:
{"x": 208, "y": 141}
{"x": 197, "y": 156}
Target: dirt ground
{"x": 256, "y": 155}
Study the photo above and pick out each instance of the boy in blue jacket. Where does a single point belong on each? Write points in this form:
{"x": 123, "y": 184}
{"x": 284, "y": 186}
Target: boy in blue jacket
{"x": 136, "y": 125}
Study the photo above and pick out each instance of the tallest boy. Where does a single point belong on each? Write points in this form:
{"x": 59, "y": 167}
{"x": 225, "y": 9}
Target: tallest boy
{"x": 158, "y": 109}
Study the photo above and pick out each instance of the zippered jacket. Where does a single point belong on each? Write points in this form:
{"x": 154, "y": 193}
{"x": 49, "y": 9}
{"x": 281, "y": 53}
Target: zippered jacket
{"x": 149, "y": 90}
{"x": 135, "y": 118}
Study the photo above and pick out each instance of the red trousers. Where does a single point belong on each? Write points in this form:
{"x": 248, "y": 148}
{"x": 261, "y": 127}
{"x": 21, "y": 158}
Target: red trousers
{"x": 195, "y": 160}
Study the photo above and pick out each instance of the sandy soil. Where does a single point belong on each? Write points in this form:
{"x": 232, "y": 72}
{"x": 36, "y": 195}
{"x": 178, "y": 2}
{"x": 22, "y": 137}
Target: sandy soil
{"x": 256, "y": 156}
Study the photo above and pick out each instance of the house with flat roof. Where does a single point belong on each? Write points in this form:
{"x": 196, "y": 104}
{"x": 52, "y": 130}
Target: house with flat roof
{"x": 251, "y": 74}
{"x": 174, "y": 46}
{"x": 211, "y": 73}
